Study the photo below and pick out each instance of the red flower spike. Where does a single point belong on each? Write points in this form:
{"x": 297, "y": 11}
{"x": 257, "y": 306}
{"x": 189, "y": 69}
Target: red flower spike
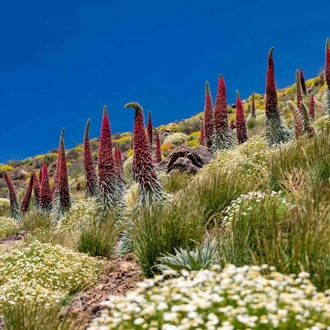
{"x": 240, "y": 121}
{"x": 14, "y": 208}
{"x": 63, "y": 183}
{"x": 158, "y": 150}
{"x": 58, "y": 166}
{"x": 327, "y": 63}
{"x": 143, "y": 168}
{"x": 271, "y": 95}
{"x": 45, "y": 193}
{"x": 298, "y": 120}
{"x": 298, "y": 92}
{"x": 208, "y": 117}
{"x": 27, "y": 196}
{"x": 149, "y": 129}
{"x": 232, "y": 124}
{"x": 302, "y": 82}
{"x": 119, "y": 163}
{"x": 90, "y": 172}
{"x": 220, "y": 109}
{"x": 106, "y": 165}
{"x": 36, "y": 190}
{"x": 253, "y": 109}
{"x": 311, "y": 109}
{"x": 202, "y": 137}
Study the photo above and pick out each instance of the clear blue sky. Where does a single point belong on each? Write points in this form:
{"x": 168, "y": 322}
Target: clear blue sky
{"x": 61, "y": 61}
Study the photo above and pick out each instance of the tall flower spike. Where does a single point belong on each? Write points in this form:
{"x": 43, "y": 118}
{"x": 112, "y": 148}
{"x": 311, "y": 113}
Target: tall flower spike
{"x": 311, "y": 110}
{"x": 308, "y": 128}
{"x": 27, "y": 196}
{"x": 208, "y": 117}
{"x": 45, "y": 193}
{"x": 55, "y": 190}
{"x": 276, "y": 132}
{"x": 298, "y": 92}
{"x": 143, "y": 168}
{"x": 298, "y": 120}
{"x": 36, "y": 190}
{"x": 240, "y": 120}
{"x": 14, "y": 207}
{"x": 119, "y": 163}
{"x": 158, "y": 150}
{"x": 302, "y": 82}
{"x": 63, "y": 183}
{"x": 232, "y": 124}
{"x": 327, "y": 76}
{"x": 90, "y": 172}
{"x": 202, "y": 137}
{"x": 106, "y": 165}
{"x": 149, "y": 129}
{"x": 222, "y": 138}
{"x": 253, "y": 109}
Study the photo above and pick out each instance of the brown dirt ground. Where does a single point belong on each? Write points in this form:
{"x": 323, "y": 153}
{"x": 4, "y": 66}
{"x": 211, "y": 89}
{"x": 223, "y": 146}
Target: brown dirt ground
{"x": 121, "y": 276}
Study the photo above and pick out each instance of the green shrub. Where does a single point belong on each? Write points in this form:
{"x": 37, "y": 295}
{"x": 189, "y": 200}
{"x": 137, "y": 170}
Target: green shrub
{"x": 4, "y": 207}
{"x": 7, "y": 226}
{"x": 235, "y": 298}
{"x": 175, "y": 181}
{"x": 99, "y": 238}
{"x": 36, "y": 219}
{"x": 161, "y": 228}
{"x": 176, "y": 139}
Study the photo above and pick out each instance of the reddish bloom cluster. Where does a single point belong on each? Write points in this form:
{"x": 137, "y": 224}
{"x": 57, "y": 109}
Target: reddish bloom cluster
{"x": 240, "y": 120}
{"x": 298, "y": 92}
{"x": 36, "y": 189}
{"x": 208, "y": 117}
{"x": 142, "y": 167}
{"x": 45, "y": 193}
{"x": 302, "y": 81}
{"x": 55, "y": 190}
{"x": 271, "y": 94}
{"x": 232, "y": 124}
{"x": 327, "y": 63}
{"x": 106, "y": 166}
{"x": 90, "y": 172}
{"x": 298, "y": 120}
{"x": 311, "y": 110}
{"x": 253, "y": 109}
{"x": 63, "y": 183}
{"x": 149, "y": 129}
{"x": 220, "y": 109}
{"x": 27, "y": 196}
{"x": 119, "y": 163}
{"x": 158, "y": 150}
{"x": 202, "y": 137}
{"x": 14, "y": 208}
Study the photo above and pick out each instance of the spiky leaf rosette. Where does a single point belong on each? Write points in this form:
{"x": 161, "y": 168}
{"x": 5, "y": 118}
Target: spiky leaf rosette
{"x": 240, "y": 121}
{"x": 222, "y": 138}
{"x": 298, "y": 120}
{"x": 253, "y": 109}
{"x": 27, "y": 196}
{"x": 275, "y": 130}
{"x": 14, "y": 207}
{"x": 45, "y": 192}
{"x": 202, "y": 137}
{"x": 158, "y": 150}
{"x": 311, "y": 109}
{"x": 143, "y": 170}
{"x": 208, "y": 117}
{"x": 90, "y": 172}
{"x": 302, "y": 82}
{"x": 36, "y": 190}
{"x": 149, "y": 129}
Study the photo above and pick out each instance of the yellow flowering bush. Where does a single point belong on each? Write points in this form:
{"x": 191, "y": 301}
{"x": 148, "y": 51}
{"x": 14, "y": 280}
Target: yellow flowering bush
{"x": 7, "y": 226}
{"x": 234, "y": 298}
{"x": 39, "y": 157}
{"x": 130, "y": 153}
{"x": 6, "y": 168}
{"x": 193, "y": 144}
{"x": 194, "y": 135}
{"x": 323, "y": 88}
{"x": 123, "y": 140}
